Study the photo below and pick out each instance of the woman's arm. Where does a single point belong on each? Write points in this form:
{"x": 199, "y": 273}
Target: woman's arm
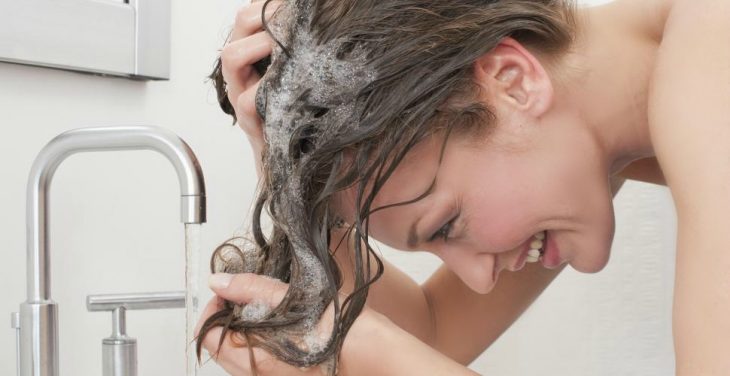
{"x": 446, "y": 314}
{"x": 689, "y": 112}
{"x": 373, "y": 346}
{"x": 376, "y": 346}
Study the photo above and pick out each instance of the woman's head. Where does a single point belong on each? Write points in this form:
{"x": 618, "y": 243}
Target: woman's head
{"x": 370, "y": 105}
{"x": 538, "y": 169}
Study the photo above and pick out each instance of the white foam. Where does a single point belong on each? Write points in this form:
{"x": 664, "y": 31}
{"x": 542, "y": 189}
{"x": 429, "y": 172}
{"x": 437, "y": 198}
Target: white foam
{"x": 254, "y": 311}
{"x": 315, "y": 341}
{"x": 332, "y": 84}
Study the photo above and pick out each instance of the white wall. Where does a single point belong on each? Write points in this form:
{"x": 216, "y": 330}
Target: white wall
{"x": 115, "y": 216}
{"x": 114, "y": 226}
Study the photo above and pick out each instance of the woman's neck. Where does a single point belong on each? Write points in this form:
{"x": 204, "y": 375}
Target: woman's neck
{"x": 607, "y": 79}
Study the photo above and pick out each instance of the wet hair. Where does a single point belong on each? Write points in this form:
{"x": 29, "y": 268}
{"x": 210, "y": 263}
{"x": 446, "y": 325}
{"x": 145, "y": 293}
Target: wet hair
{"x": 350, "y": 88}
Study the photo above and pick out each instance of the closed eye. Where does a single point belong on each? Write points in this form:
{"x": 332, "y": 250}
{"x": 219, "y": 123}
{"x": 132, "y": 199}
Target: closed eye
{"x": 444, "y": 231}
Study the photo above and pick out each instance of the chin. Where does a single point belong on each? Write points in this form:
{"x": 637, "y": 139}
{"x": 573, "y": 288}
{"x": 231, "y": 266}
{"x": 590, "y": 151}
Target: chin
{"x": 591, "y": 263}
{"x": 482, "y": 289}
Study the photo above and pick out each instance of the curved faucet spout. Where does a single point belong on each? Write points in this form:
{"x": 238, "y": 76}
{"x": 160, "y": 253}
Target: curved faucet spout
{"x": 189, "y": 173}
{"x": 39, "y": 350}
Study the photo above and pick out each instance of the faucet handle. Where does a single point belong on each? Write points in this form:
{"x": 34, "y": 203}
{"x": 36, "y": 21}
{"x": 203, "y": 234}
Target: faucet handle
{"x": 149, "y": 300}
{"x": 120, "y": 350}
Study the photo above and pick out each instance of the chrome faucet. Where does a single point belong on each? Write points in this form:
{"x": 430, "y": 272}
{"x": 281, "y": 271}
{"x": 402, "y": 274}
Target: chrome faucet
{"x": 38, "y": 318}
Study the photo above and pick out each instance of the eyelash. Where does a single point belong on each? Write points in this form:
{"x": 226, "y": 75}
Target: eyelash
{"x": 444, "y": 231}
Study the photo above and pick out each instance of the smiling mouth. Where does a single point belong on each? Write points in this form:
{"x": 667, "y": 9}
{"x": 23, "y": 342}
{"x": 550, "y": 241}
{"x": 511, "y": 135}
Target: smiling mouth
{"x": 535, "y": 252}
{"x": 537, "y": 247}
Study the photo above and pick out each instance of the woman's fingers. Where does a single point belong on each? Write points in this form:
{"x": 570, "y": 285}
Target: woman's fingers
{"x": 247, "y": 45}
{"x": 231, "y": 351}
{"x": 251, "y": 123}
{"x": 228, "y": 353}
{"x": 248, "y": 18}
{"x": 242, "y": 90}
{"x": 246, "y": 110}
{"x": 214, "y": 305}
{"x": 213, "y": 338}
{"x": 247, "y": 287}
{"x": 236, "y": 62}
{"x": 233, "y": 356}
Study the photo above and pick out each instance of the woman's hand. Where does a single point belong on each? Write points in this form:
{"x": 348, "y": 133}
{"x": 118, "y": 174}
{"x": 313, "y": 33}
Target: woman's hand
{"x": 245, "y": 288}
{"x": 248, "y": 44}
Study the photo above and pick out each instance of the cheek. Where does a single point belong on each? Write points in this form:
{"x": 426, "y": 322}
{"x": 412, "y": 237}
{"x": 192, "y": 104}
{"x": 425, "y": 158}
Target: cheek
{"x": 503, "y": 214}
{"x": 497, "y": 232}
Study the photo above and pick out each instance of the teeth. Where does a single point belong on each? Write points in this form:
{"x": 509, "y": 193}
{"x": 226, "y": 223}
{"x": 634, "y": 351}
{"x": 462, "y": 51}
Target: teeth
{"x": 536, "y": 244}
{"x": 533, "y": 255}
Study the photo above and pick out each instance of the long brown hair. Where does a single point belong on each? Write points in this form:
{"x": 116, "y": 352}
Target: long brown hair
{"x": 351, "y": 87}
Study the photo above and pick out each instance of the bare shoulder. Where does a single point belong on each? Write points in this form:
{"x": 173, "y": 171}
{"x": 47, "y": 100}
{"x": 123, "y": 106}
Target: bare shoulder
{"x": 689, "y": 121}
{"x": 689, "y": 93}
{"x": 646, "y": 17}
{"x": 647, "y": 21}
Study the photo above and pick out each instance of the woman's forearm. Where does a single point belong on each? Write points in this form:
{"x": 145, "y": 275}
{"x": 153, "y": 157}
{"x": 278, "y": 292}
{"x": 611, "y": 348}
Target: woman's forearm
{"x": 395, "y": 295}
{"x": 376, "y": 346}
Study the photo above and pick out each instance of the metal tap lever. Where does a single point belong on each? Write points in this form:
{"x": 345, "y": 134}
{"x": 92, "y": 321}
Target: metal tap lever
{"x": 119, "y": 351}
{"x": 15, "y": 324}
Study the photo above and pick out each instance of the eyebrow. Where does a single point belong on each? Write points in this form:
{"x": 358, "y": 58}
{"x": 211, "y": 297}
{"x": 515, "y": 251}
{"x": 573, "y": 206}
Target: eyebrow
{"x": 412, "y": 236}
{"x": 413, "y": 240}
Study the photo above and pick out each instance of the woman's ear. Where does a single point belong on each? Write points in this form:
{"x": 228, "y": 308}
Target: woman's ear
{"x": 513, "y": 75}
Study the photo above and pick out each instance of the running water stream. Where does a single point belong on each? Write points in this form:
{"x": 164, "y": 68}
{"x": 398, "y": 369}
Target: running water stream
{"x": 192, "y": 280}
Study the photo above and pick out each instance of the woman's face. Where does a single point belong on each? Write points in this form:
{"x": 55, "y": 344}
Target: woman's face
{"x": 539, "y": 168}
{"x": 490, "y": 198}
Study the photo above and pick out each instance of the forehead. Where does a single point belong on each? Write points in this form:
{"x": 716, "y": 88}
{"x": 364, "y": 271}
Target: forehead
{"x": 411, "y": 178}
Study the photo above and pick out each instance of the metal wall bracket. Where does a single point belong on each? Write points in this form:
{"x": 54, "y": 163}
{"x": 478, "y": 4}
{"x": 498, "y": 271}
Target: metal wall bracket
{"x": 129, "y": 39}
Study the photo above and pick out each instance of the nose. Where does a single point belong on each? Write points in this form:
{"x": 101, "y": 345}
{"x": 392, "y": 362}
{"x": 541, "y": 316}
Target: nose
{"x": 476, "y": 270}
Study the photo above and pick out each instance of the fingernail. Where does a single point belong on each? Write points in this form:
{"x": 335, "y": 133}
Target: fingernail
{"x": 219, "y": 280}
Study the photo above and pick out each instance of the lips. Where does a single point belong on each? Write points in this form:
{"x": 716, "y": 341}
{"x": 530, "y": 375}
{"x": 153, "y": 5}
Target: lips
{"x": 522, "y": 258}
{"x": 548, "y": 260}
{"x": 551, "y": 257}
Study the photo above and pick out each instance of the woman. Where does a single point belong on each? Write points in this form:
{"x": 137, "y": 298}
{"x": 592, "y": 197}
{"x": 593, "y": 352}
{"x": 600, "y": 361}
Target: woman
{"x": 483, "y": 129}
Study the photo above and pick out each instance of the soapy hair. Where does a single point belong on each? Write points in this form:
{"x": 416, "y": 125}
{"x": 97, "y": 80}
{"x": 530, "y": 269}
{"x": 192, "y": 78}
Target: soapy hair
{"x": 351, "y": 86}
